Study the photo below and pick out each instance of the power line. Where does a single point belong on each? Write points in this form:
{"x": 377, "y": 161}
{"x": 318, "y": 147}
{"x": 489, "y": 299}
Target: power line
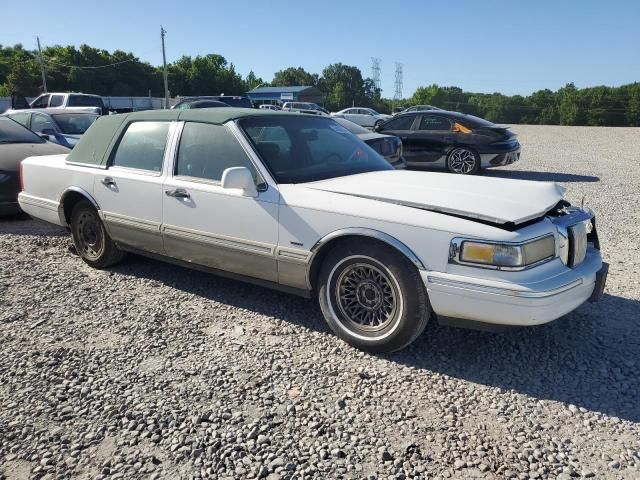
{"x": 78, "y": 67}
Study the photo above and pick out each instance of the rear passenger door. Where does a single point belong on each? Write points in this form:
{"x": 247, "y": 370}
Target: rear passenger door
{"x": 432, "y": 135}
{"x": 129, "y": 191}
{"x": 208, "y": 225}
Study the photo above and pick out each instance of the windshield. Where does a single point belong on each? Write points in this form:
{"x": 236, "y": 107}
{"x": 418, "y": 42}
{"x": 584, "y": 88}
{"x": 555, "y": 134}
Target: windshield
{"x": 299, "y": 150}
{"x": 74, "y": 123}
{"x": 13, "y": 132}
{"x": 352, "y": 127}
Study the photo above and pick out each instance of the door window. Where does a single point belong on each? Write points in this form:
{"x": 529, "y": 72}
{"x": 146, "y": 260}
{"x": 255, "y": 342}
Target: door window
{"x": 40, "y": 122}
{"x": 41, "y": 102}
{"x": 56, "y": 100}
{"x": 142, "y": 146}
{"x": 432, "y": 122}
{"x": 206, "y": 151}
{"x": 400, "y": 123}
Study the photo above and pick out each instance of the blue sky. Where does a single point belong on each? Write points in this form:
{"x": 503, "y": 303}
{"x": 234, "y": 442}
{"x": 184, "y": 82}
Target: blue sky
{"x": 482, "y": 46}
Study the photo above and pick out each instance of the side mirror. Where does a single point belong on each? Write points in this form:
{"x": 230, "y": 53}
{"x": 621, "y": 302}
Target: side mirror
{"x": 239, "y": 178}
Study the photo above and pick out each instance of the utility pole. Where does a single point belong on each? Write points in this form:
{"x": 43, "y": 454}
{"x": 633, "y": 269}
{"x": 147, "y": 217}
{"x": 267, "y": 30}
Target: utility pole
{"x": 42, "y": 70}
{"x": 164, "y": 67}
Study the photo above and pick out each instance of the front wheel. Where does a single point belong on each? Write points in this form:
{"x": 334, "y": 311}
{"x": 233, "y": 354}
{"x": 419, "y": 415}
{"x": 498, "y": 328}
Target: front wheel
{"x": 372, "y": 296}
{"x": 464, "y": 161}
{"x": 92, "y": 242}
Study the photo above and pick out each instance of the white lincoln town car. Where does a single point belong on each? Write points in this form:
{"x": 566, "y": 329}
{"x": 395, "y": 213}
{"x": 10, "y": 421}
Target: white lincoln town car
{"x": 298, "y": 203}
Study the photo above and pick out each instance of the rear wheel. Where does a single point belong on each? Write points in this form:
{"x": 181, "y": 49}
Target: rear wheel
{"x": 464, "y": 161}
{"x": 372, "y": 297}
{"x": 91, "y": 239}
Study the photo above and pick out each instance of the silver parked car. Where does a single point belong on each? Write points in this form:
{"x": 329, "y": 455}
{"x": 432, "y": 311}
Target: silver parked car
{"x": 58, "y": 125}
{"x": 365, "y": 117}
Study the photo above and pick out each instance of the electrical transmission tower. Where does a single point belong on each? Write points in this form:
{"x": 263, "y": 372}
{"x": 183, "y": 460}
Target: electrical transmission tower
{"x": 375, "y": 72}
{"x": 398, "y": 92}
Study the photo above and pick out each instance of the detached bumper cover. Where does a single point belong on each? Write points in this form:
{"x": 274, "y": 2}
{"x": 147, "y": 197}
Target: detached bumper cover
{"x": 503, "y": 303}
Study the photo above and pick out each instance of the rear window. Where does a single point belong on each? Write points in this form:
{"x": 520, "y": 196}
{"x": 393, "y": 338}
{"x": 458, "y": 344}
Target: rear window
{"x": 475, "y": 122}
{"x": 74, "y": 124}
{"x": 85, "y": 101}
{"x": 241, "y": 102}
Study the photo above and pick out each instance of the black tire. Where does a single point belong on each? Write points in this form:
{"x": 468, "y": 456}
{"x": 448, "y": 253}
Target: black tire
{"x": 391, "y": 275}
{"x": 458, "y": 161}
{"x": 378, "y": 123}
{"x": 93, "y": 243}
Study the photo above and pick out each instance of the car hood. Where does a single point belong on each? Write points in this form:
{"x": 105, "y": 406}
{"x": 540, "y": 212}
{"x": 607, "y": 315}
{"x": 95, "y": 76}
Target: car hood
{"x": 496, "y": 200}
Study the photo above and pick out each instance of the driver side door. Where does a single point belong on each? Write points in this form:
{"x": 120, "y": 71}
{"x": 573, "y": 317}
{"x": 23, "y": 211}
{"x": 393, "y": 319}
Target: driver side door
{"x": 212, "y": 226}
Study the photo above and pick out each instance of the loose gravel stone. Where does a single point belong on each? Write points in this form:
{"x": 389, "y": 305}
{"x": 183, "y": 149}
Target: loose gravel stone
{"x": 148, "y": 370}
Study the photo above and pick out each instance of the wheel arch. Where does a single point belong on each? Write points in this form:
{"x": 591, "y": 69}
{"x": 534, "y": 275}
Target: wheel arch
{"x": 69, "y": 198}
{"x": 323, "y": 246}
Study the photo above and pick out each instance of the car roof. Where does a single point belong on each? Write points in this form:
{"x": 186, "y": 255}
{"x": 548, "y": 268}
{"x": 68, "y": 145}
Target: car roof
{"x": 96, "y": 141}
{"x": 215, "y": 115}
{"x": 470, "y": 120}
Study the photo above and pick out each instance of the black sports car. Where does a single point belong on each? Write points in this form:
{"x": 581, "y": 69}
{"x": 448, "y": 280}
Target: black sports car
{"x": 458, "y": 142}
{"x": 16, "y": 144}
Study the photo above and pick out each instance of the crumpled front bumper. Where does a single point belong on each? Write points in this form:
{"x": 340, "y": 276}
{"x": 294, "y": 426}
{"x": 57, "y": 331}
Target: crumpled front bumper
{"x": 505, "y": 303}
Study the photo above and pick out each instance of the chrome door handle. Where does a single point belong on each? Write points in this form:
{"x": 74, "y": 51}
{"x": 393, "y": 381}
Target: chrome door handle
{"x": 107, "y": 181}
{"x": 177, "y": 193}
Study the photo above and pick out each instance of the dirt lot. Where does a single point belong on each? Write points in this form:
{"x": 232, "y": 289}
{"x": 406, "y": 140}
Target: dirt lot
{"x": 152, "y": 371}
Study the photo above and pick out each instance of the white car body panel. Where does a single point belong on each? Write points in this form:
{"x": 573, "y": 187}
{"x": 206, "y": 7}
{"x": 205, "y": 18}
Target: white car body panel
{"x": 276, "y": 235}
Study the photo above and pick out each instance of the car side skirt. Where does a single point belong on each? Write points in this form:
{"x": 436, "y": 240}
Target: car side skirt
{"x": 220, "y": 273}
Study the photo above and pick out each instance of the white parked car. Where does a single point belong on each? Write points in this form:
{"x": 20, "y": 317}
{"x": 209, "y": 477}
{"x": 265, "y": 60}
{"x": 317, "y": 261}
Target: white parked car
{"x": 305, "y": 107}
{"x": 365, "y": 117}
{"x": 298, "y": 203}
{"x": 268, "y": 106}
{"x": 83, "y": 102}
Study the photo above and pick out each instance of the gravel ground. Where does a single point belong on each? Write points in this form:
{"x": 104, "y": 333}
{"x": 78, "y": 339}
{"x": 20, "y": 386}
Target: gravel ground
{"x": 153, "y": 371}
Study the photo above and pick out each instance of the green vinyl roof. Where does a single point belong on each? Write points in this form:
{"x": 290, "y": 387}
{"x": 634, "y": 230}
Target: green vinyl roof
{"x": 100, "y": 138}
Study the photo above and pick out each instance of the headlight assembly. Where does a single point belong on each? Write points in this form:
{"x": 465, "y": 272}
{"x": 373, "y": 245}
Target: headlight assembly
{"x": 507, "y": 256}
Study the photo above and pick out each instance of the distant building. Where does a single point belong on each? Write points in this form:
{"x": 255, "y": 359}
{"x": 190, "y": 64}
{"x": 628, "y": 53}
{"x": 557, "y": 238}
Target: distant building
{"x": 276, "y": 95}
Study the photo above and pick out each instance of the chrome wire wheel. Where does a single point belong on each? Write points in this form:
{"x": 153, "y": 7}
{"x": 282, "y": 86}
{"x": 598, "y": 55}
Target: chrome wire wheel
{"x": 367, "y": 297}
{"x": 462, "y": 161}
{"x": 89, "y": 235}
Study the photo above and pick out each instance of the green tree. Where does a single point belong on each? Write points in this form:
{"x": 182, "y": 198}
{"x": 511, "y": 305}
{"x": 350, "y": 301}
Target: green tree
{"x": 294, "y": 76}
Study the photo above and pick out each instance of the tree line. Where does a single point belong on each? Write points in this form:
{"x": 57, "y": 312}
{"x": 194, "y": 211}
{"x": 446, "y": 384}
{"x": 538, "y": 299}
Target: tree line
{"x": 118, "y": 73}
